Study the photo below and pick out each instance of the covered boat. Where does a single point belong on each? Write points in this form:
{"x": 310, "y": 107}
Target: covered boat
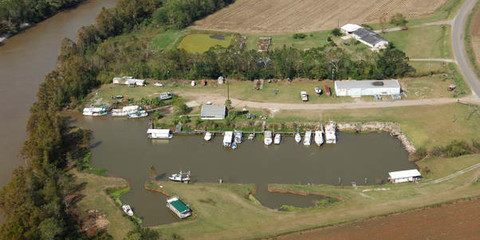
{"x": 319, "y": 136}
{"x": 227, "y": 139}
{"x": 159, "y": 133}
{"x": 125, "y": 111}
{"x": 307, "y": 140}
{"x": 298, "y": 137}
{"x": 208, "y": 136}
{"x": 268, "y": 138}
{"x": 238, "y": 137}
{"x": 277, "y": 139}
{"x": 178, "y": 207}
{"x": 330, "y": 132}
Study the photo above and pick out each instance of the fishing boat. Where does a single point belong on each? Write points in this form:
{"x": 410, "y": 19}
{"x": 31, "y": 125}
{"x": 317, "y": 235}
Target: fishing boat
{"x": 319, "y": 137}
{"x": 330, "y": 132}
{"x": 178, "y": 207}
{"x": 298, "y": 137}
{"x": 139, "y": 114}
{"x": 307, "y": 140}
{"x": 251, "y": 136}
{"x": 208, "y": 136}
{"x": 268, "y": 138}
{"x": 234, "y": 145}
{"x": 125, "y": 111}
{"x": 277, "y": 139}
{"x": 227, "y": 139}
{"x": 238, "y": 137}
{"x": 180, "y": 177}
{"x": 127, "y": 209}
{"x": 318, "y": 90}
{"x": 95, "y": 111}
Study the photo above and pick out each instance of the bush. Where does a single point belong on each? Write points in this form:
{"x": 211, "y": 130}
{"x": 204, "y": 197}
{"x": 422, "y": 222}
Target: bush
{"x": 299, "y": 36}
{"x": 336, "y": 32}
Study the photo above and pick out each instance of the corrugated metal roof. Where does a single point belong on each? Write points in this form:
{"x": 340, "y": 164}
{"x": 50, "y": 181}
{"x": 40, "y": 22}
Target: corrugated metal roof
{"x": 213, "y": 110}
{"x": 367, "y": 84}
{"x": 405, "y": 174}
{"x": 369, "y": 36}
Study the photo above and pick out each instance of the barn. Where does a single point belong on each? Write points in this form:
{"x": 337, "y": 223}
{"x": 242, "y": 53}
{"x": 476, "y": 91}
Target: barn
{"x": 213, "y": 112}
{"x": 357, "y": 88}
{"x": 365, "y": 36}
{"x": 405, "y": 176}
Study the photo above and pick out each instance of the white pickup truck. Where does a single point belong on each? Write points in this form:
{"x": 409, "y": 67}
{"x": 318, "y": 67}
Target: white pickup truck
{"x": 304, "y": 96}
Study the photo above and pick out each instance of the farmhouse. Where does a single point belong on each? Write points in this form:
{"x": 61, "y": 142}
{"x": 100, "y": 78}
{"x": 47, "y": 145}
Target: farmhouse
{"x": 365, "y": 36}
{"x": 356, "y": 88}
{"x": 128, "y": 81}
{"x": 213, "y": 112}
{"x": 405, "y": 176}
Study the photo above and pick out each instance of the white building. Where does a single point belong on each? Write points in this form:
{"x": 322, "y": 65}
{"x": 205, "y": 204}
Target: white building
{"x": 356, "y": 88}
{"x": 128, "y": 81}
{"x": 365, "y": 36}
{"x": 405, "y": 176}
{"x": 213, "y": 112}
{"x": 159, "y": 133}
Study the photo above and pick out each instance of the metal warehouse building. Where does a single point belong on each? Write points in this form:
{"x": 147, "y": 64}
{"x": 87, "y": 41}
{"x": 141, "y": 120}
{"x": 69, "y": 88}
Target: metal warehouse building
{"x": 213, "y": 112}
{"x": 356, "y": 88}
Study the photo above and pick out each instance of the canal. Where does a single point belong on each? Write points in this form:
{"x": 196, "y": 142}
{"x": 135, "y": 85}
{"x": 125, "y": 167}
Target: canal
{"x": 120, "y": 146}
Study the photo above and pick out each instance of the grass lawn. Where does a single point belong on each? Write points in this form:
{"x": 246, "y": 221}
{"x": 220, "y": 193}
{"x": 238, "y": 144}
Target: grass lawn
{"x": 311, "y": 40}
{"x": 199, "y": 43}
{"x": 222, "y": 211}
{"x": 425, "y": 126}
{"x": 96, "y": 198}
{"x": 423, "y": 42}
{"x": 166, "y": 40}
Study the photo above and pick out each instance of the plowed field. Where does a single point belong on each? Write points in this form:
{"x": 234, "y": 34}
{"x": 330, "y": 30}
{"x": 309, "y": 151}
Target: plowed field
{"x": 452, "y": 221}
{"x": 475, "y": 33}
{"x": 280, "y": 16}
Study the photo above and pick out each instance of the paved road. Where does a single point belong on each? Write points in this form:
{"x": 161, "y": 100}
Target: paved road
{"x": 459, "y": 47}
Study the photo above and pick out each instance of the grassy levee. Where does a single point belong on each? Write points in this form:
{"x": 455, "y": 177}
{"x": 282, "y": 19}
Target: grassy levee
{"x": 469, "y": 36}
{"x": 223, "y": 212}
{"x": 96, "y": 198}
{"x": 423, "y": 42}
{"x": 199, "y": 43}
{"x": 426, "y": 126}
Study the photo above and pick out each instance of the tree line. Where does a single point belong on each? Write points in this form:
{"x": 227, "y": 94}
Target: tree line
{"x": 15, "y": 12}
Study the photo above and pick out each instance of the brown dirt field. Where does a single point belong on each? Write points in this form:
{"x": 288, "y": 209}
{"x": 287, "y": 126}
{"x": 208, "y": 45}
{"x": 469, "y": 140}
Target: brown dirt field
{"x": 280, "y": 16}
{"x": 475, "y": 33}
{"x": 451, "y": 221}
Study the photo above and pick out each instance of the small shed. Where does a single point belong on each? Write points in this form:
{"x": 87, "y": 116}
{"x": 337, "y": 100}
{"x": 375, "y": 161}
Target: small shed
{"x": 357, "y": 88}
{"x": 159, "y": 133}
{"x": 221, "y": 80}
{"x": 213, "y": 112}
{"x": 405, "y": 176}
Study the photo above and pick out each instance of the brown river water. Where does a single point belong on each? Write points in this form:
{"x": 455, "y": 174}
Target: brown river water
{"x": 121, "y": 147}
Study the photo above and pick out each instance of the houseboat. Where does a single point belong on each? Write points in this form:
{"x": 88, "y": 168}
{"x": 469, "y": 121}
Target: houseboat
{"x": 268, "y": 138}
{"x": 95, "y": 111}
{"x": 159, "y": 133}
{"x": 307, "y": 140}
{"x": 298, "y": 137}
{"x": 330, "y": 132}
{"x": 127, "y": 209}
{"x": 208, "y": 136}
{"x": 125, "y": 111}
{"x": 238, "y": 137}
{"x": 180, "y": 177}
{"x": 227, "y": 139}
{"x": 178, "y": 207}
{"x": 277, "y": 139}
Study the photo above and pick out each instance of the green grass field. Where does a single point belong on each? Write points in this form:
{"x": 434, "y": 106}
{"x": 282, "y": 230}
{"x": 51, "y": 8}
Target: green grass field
{"x": 423, "y": 42}
{"x": 311, "y": 40}
{"x": 199, "y": 43}
{"x": 166, "y": 40}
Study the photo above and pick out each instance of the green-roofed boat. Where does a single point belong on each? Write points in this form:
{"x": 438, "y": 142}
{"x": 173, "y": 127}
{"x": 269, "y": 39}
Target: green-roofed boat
{"x": 178, "y": 207}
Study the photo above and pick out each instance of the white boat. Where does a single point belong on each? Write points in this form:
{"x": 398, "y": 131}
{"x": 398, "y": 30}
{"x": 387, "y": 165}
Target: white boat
{"x": 234, "y": 145}
{"x": 208, "y": 136}
{"x": 318, "y": 90}
{"x": 139, "y": 114}
{"x": 227, "y": 139}
{"x": 330, "y": 132}
{"x": 95, "y": 111}
{"x": 238, "y": 136}
{"x": 298, "y": 137}
{"x": 268, "y": 138}
{"x": 159, "y": 133}
{"x": 251, "y": 136}
{"x": 277, "y": 139}
{"x": 307, "y": 140}
{"x": 180, "y": 177}
{"x": 178, "y": 207}
{"x": 125, "y": 111}
{"x": 127, "y": 209}
{"x": 318, "y": 138}
{"x": 158, "y": 85}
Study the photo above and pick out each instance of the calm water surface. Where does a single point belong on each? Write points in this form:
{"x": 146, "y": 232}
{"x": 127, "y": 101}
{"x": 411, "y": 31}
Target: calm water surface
{"x": 121, "y": 147}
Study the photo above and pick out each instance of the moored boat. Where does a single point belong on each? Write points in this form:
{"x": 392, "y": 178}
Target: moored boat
{"x": 178, "y": 207}
{"x": 234, "y": 145}
{"x": 251, "y": 136}
{"x": 180, "y": 177}
{"x": 330, "y": 132}
{"x": 227, "y": 139}
{"x": 307, "y": 140}
{"x": 208, "y": 136}
{"x": 139, "y": 114}
{"x": 127, "y": 209}
{"x": 298, "y": 137}
{"x": 125, "y": 111}
{"x": 95, "y": 111}
{"x": 318, "y": 137}
{"x": 277, "y": 139}
{"x": 238, "y": 137}
{"x": 267, "y": 140}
